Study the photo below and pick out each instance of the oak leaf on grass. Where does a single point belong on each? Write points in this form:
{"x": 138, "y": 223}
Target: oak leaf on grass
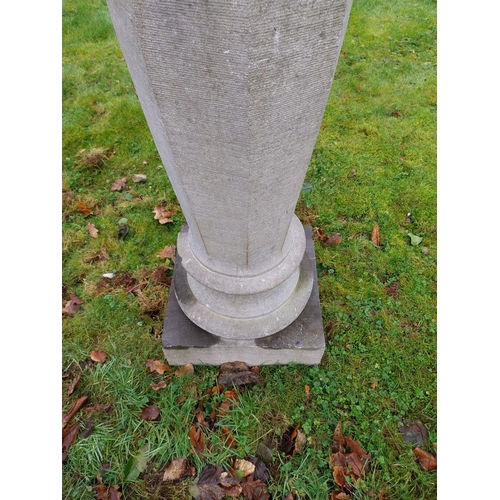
{"x": 334, "y": 239}
{"x": 119, "y": 184}
{"x": 178, "y": 469}
{"x": 160, "y": 385}
{"x": 139, "y": 177}
{"x": 98, "y": 356}
{"x": 92, "y": 230}
{"x": 83, "y": 208}
{"x": 69, "y": 436}
{"x": 157, "y": 366}
{"x": 187, "y": 369}
{"x": 168, "y": 252}
{"x": 151, "y": 413}
{"x": 73, "y": 305}
{"x": 162, "y": 215}
{"x": 74, "y": 410}
{"x": 425, "y": 459}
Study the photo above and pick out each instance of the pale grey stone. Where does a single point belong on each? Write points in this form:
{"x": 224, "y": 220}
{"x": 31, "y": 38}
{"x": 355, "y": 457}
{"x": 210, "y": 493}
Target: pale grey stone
{"x": 234, "y": 93}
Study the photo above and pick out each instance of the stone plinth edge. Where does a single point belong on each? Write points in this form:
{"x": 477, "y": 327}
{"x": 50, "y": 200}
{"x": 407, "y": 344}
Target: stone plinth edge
{"x": 301, "y": 342}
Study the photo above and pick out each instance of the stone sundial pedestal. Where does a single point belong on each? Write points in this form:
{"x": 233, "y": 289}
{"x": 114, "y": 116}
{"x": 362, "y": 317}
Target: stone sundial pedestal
{"x": 234, "y": 94}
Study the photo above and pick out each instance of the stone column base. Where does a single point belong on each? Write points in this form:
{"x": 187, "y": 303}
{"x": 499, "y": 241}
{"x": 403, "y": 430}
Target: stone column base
{"x": 301, "y": 342}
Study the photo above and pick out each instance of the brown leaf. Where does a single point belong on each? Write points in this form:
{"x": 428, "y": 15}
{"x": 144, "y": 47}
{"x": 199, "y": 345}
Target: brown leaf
{"x": 244, "y": 466}
{"x": 92, "y": 230}
{"x": 99, "y": 256}
{"x": 287, "y": 443}
{"x": 98, "y": 356}
{"x": 340, "y": 495}
{"x": 178, "y": 469}
{"x": 105, "y": 492}
{"x": 338, "y": 438}
{"x": 289, "y": 496}
{"x": 168, "y": 252}
{"x": 69, "y": 436}
{"x": 158, "y": 366}
{"x": 83, "y": 208}
{"x": 254, "y": 490}
{"x": 334, "y": 239}
{"x": 89, "y": 427}
{"x": 72, "y": 386}
{"x": 74, "y": 410}
{"x": 150, "y": 413}
{"x": 355, "y": 446}
{"x": 355, "y": 466}
{"x": 374, "y": 384}
{"x": 307, "y": 390}
{"x": 139, "y": 177}
{"x": 376, "y": 236}
{"x": 184, "y": 370}
{"x": 414, "y": 432}
{"x": 208, "y": 483}
{"x": 229, "y": 440}
{"x": 197, "y": 439}
{"x": 160, "y": 385}
{"x": 236, "y": 373}
{"x": 119, "y": 184}
{"x": 425, "y": 459}
{"x": 162, "y": 215}
{"x": 338, "y": 476}
{"x": 72, "y": 305}
{"x": 300, "y": 442}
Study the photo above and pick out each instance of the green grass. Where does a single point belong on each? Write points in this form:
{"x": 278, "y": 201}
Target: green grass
{"x": 374, "y": 162}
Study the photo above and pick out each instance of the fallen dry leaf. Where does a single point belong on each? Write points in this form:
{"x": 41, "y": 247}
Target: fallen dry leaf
{"x": 139, "y": 177}
{"x": 376, "y": 236}
{"x": 197, "y": 439}
{"x": 92, "y": 230}
{"x": 344, "y": 465}
{"x": 98, "y": 356}
{"x": 162, "y": 215}
{"x": 178, "y": 469}
{"x": 425, "y": 459}
{"x": 72, "y": 386}
{"x": 73, "y": 305}
{"x": 244, "y": 466}
{"x": 229, "y": 440}
{"x": 340, "y": 495}
{"x": 74, "y": 410}
{"x": 89, "y": 427}
{"x": 99, "y": 256}
{"x": 150, "y": 413}
{"x": 184, "y": 370}
{"x": 168, "y": 252}
{"x": 334, "y": 239}
{"x": 374, "y": 384}
{"x": 69, "y": 436}
{"x": 307, "y": 390}
{"x": 83, "y": 208}
{"x": 158, "y": 366}
{"x": 414, "y": 432}
{"x": 119, "y": 184}
{"x": 236, "y": 373}
{"x": 104, "y": 492}
{"x": 160, "y": 385}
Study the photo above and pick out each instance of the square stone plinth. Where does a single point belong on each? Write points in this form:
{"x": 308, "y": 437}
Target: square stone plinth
{"x": 301, "y": 342}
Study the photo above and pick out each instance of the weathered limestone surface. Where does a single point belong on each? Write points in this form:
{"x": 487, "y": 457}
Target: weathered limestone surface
{"x": 234, "y": 93}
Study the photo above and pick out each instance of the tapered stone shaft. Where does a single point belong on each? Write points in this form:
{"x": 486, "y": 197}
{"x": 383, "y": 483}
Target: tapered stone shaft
{"x": 234, "y": 93}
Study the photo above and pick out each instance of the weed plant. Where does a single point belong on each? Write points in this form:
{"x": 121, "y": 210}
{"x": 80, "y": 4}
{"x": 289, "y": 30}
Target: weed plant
{"x": 373, "y": 164}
